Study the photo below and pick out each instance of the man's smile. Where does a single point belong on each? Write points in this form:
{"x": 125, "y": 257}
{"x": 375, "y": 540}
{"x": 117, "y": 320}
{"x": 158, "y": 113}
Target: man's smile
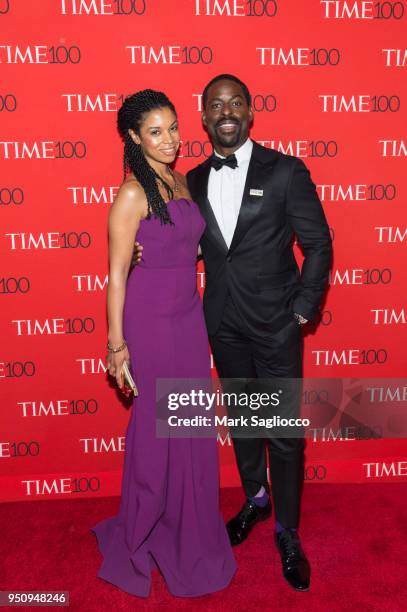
{"x": 227, "y": 126}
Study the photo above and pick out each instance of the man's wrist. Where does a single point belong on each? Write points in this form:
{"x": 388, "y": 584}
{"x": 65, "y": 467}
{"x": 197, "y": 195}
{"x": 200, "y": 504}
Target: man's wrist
{"x": 300, "y": 319}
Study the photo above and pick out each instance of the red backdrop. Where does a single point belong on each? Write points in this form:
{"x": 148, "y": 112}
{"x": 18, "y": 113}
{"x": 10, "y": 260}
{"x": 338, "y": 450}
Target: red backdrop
{"x": 328, "y": 80}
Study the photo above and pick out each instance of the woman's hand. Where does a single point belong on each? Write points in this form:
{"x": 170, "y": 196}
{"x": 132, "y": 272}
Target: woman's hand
{"x": 114, "y": 362}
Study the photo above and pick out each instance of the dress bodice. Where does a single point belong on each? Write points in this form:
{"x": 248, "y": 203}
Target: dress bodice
{"x": 172, "y": 246}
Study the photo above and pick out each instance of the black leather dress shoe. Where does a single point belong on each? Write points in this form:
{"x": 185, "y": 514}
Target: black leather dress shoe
{"x": 241, "y": 525}
{"x": 296, "y": 569}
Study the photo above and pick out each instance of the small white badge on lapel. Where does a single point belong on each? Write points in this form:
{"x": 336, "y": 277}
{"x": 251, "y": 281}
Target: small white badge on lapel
{"x": 256, "y": 192}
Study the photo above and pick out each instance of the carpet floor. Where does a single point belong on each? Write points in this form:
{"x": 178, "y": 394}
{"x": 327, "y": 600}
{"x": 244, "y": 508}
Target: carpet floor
{"x": 355, "y": 537}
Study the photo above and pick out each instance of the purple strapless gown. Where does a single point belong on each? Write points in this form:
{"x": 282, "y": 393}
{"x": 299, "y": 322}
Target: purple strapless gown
{"x": 169, "y": 513}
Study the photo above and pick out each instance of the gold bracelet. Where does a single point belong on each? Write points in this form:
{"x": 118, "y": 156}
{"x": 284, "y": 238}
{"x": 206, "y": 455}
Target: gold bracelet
{"x": 118, "y": 349}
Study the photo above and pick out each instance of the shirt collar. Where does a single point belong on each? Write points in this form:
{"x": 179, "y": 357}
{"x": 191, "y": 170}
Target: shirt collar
{"x": 243, "y": 153}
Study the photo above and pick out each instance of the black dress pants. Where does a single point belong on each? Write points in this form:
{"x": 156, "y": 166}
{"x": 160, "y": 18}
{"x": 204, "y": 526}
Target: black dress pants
{"x": 240, "y": 353}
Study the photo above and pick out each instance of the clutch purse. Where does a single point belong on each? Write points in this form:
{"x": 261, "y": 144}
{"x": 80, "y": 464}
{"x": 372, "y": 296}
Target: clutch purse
{"x": 129, "y": 384}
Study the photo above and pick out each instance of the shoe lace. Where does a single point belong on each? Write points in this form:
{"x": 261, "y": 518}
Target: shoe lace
{"x": 246, "y": 511}
{"x": 290, "y": 544}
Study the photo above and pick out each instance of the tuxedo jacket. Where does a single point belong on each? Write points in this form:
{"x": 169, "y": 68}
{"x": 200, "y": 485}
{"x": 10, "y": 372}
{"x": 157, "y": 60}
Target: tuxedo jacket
{"x": 279, "y": 204}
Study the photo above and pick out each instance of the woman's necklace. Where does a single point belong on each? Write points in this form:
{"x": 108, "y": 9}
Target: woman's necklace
{"x": 174, "y": 179}
{"x": 175, "y": 188}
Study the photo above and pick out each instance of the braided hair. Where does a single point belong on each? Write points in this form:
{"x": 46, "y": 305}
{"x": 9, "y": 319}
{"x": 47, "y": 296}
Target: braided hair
{"x": 130, "y": 116}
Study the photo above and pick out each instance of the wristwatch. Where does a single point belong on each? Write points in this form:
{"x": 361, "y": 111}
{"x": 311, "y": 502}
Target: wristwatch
{"x": 300, "y": 319}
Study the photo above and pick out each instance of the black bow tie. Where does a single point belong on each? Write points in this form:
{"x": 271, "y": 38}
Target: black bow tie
{"x": 219, "y": 162}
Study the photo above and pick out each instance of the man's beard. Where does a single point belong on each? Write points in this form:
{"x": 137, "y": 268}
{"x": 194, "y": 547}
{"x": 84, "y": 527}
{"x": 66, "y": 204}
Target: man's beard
{"x": 226, "y": 141}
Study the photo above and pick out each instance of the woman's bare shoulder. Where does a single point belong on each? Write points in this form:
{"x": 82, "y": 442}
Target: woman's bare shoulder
{"x": 130, "y": 196}
{"x": 131, "y": 187}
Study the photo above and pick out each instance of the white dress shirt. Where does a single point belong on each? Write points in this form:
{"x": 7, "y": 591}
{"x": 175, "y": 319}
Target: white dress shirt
{"x": 225, "y": 190}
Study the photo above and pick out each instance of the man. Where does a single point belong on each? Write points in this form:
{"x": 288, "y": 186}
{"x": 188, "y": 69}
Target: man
{"x": 255, "y": 200}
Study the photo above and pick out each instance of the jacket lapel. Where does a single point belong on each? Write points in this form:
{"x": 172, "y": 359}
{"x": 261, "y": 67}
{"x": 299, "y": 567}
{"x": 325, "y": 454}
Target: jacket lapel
{"x": 259, "y": 170}
{"x": 260, "y": 166}
{"x": 212, "y": 227}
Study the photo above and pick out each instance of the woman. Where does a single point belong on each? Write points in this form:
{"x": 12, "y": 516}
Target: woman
{"x": 169, "y": 514}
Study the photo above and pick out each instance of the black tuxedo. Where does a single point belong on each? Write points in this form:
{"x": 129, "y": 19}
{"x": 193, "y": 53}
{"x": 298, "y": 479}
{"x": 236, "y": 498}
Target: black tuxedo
{"x": 252, "y": 291}
{"x": 259, "y": 268}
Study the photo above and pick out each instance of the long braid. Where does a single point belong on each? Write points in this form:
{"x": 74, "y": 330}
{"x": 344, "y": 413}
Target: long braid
{"x": 130, "y": 116}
